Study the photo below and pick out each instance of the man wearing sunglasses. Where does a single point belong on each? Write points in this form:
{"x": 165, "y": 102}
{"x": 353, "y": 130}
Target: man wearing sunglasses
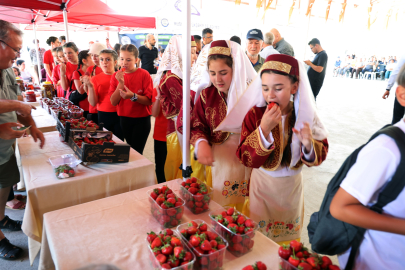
{"x": 11, "y": 111}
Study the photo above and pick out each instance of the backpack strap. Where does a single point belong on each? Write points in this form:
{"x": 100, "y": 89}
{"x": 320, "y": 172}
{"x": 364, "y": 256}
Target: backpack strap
{"x": 389, "y": 193}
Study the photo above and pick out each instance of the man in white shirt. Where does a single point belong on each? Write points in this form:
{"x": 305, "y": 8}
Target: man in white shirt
{"x": 268, "y": 46}
{"x": 399, "y": 110}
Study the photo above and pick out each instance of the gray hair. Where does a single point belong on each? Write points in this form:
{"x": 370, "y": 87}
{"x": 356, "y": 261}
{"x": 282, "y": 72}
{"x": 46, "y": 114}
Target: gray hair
{"x": 401, "y": 77}
{"x": 6, "y": 28}
{"x": 269, "y": 38}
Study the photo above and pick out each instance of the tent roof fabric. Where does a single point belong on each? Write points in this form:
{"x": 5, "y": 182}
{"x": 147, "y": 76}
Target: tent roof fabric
{"x": 95, "y": 12}
{"x": 34, "y": 4}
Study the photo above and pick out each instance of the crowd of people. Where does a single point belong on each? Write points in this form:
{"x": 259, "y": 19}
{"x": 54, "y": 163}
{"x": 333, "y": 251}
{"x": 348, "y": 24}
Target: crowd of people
{"x": 253, "y": 115}
{"x": 358, "y": 67}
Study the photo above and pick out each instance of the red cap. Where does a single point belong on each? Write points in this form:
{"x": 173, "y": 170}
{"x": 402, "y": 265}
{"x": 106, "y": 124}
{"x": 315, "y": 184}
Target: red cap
{"x": 282, "y": 63}
{"x": 193, "y": 43}
{"x": 219, "y": 47}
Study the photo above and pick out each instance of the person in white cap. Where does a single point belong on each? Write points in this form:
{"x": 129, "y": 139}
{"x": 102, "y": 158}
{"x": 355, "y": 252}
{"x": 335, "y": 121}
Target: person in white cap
{"x": 94, "y": 70}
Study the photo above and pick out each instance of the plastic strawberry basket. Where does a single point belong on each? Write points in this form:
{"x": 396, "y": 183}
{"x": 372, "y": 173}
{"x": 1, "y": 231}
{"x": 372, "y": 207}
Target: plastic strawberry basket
{"x": 212, "y": 261}
{"x": 156, "y": 265}
{"x": 239, "y": 244}
{"x": 168, "y": 218}
{"x": 197, "y": 204}
{"x": 285, "y": 265}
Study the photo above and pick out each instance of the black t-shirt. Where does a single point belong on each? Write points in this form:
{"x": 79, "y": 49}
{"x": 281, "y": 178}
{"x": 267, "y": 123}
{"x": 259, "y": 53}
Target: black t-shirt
{"x": 316, "y": 78}
{"x": 147, "y": 57}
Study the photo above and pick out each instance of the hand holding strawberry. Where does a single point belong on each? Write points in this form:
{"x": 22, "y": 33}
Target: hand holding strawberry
{"x": 270, "y": 119}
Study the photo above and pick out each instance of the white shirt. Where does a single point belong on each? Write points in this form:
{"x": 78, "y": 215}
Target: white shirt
{"x": 375, "y": 166}
{"x": 394, "y": 73}
{"x": 269, "y": 50}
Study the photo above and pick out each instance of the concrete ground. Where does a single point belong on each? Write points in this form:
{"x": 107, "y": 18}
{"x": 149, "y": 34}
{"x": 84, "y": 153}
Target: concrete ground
{"x": 352, "y": 110}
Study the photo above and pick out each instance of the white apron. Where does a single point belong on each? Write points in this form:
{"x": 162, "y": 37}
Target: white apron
{"x": 277, "y": 204}
{"x": 229, "y": 176}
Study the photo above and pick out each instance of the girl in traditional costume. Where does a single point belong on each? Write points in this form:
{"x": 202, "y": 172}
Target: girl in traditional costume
{"x": 224, "y": 72}
{"x": 276, "y": 141}
{"x": 169, "y": 82}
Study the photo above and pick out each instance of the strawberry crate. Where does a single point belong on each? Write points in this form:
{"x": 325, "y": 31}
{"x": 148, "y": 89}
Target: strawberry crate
{"x": 169, "y": 217}
{"x": 97, "y": 146}
{"x": 197, "y": 197}
{"x": 212, "y": 259}
{"x": 65, "y": 127}
{"x": 236, "y": 228}
{"x": 159, "y": 262}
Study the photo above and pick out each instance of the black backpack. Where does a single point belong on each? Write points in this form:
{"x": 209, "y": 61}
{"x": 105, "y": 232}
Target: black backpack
{"x": 330, "y": 236}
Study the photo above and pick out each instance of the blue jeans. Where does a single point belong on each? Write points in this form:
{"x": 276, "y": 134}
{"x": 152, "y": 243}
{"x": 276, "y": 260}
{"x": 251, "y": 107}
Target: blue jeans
{"x": 387, "y": 74}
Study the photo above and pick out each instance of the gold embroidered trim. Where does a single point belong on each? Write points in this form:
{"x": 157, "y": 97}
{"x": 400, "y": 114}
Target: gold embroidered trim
{"x": 276, "y": 65}
{"x": 193, "y": 44}
{"x": 220, "y": 50}
{"x": 264, "y": 149}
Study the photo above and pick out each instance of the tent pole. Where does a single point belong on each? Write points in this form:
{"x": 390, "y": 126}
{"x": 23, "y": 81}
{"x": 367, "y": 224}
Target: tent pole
{"x": 37, "y": 50}
{"x": 186, "y": 48}
{"x": 66, "y": 24}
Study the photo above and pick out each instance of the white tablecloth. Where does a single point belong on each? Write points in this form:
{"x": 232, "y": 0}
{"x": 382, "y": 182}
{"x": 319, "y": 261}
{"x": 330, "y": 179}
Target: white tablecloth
{"x": 113, "y": 230}
{"x": 43, "y": 120}
{"x": 47, "y": 193}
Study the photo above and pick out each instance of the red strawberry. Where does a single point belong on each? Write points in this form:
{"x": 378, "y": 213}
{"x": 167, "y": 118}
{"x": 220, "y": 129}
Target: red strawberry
{"x": 211, "y": 235}
{"x": 193, "y": 180}
{"x": 295, "y": 245}
{"x": 193, "y": 190}
{"x": 151, "y": 236}
{"x": 325, "y": 262}
{"x": 224, "y": 214}
{"x": 161, "y": 258}
{"x": 179, "y": 252}
{"x": 166, "y": 266}
{"x": 157, "y": 242}
{"x": 241, "y": 220}
{"x": 203, "y": 227}
{"x": 173, "y": 261}
{"x": 313, "y": 261}
{"x": 192, "y": 223}
{"x": 195, "y": 240}
{"x": 241, "y": 229}
{"x": 123, "y": 69}
{"x": 230, "y": 211}
{"x": 213, "y": 243}
{"x": 188, "y": 256}
{"x": 249, "y": 267}
{"x": 233, "y": 227}
{"x": 175, "y": 242}
{"x": 304, "y": 266}
{"x": 285, "y": 252}
{"x": 171, "y": 200}
{"x": 163, "y": 189}
{"x": 295, "y": 261}
{"x": 229, "y": 219}
{"x": 191, "y": 230}
{"x": 206, "y": 246}
{"x": 167, "y": 249}
{"x": 221, "y": 246}
{"x": 261, "y": 266}
{"x": 249, "y": 223}
{"x": 271, "y": 105}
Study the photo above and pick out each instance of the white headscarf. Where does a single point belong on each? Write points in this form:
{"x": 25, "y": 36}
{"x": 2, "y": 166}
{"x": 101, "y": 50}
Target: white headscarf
{"x": 243, "y": 74}
{"x": 304, "y": 106}
{"x": 171, "y": 60}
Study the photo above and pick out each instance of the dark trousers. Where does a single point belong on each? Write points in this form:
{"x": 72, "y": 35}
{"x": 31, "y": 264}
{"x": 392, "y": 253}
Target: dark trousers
{"x": 136, "y": 131}
{"x": 398, "y": 112}
{"x": 94, "y": 117}
{"x": 111, "y": 122}
{"x": 315, "y": 88}
{"x": 356, "y": 71}
{"x": 160, "y": 160}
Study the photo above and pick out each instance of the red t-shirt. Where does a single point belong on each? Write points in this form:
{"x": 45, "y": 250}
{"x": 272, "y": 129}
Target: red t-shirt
{"x": 70, "y": 69}
{"x": 159, "y": 133}
{"x": 101, "y": 85}
{"x": 84, "y": 104}
{"x": 48, "y": 59}
{"x": 138, "y": 82}
{"x": 55, "y": 79}
{"x": 98, "y": 70}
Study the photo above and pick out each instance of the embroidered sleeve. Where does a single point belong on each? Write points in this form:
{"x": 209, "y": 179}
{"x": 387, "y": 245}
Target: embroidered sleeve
{"x": 251, "y": 151}
{"x": 320, "y": 150}
{"x": 171, "y": 96}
